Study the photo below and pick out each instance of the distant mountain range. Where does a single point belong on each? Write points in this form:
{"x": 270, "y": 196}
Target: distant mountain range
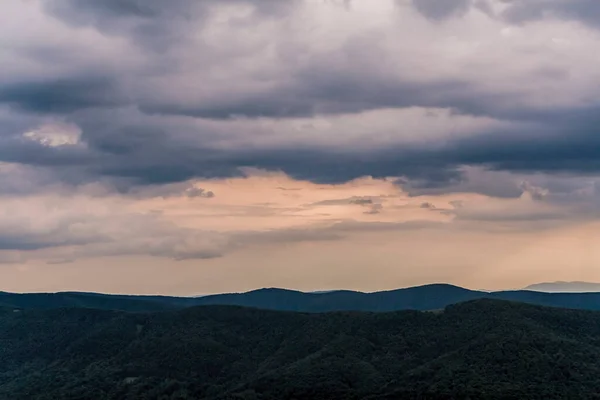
{"x": 428, "y": 297}
{"x": 565, "y": 287}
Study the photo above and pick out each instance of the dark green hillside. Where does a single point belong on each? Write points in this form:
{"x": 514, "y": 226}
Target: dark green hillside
{"x": 482, "y": 349}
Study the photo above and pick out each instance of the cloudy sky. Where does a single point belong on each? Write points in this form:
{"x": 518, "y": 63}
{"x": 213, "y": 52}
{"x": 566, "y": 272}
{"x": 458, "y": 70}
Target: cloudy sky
{"x": 201, "y": 146}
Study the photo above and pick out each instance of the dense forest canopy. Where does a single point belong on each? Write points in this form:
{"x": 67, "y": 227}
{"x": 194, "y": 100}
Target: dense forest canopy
{"x": 483, "y": 349}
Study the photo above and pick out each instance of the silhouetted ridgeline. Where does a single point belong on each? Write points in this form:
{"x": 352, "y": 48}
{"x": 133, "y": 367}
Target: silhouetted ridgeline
{"x": 483, "y": 349}
{"x": 429, "y": 297}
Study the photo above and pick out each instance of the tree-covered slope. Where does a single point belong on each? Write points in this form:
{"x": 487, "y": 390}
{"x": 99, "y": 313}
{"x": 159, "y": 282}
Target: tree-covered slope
{"x": 483, "y": 349}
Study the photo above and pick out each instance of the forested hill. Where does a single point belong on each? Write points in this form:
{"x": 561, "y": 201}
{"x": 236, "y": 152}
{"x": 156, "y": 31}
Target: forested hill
{"x": 483, "y": 349}
{"x": 429, "y": 297}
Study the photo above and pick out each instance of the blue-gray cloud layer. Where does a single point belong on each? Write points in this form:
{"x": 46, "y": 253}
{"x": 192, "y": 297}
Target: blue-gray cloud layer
{"x": 141, "y": 123}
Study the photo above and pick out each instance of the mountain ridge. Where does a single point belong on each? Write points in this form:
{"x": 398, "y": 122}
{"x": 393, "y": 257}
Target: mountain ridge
{"x": 424, "y": 297}
{"x": 565, "y": 287}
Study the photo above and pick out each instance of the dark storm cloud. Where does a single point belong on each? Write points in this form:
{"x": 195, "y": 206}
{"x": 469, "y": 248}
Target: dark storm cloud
{"x": 571, "y": 144}
{"x": 149, "y": 155}
{"x": 12, "y": 123}
{"x": 62, "y": 95}
{"x": 568, "y": 144}
{"x": 326, "y": 91}
{"x": 333, "y": 93}
{"x": 145, "y": 159}
{"x": 22, "y": 151}
{"x": 135, "y": 131}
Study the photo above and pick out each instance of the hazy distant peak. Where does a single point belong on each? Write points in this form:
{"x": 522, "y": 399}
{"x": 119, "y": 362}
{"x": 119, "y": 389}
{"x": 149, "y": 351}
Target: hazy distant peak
{"x": 561, "y": 286}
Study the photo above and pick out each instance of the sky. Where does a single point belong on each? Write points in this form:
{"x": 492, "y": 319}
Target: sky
{"x": 201, "y": 146}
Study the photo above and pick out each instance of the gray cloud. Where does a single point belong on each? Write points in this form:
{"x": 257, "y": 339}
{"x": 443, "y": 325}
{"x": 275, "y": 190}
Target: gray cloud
{"x": 332, "y": 232}
{"x": 363, "y": 201}
{"x": 359, "y": 200}
{"x": 61, "y": 96}
{"x": 374, "y": 209}
{"x": 159, "y": 118}
{"x": 152, "y": 24}
{"x": 73, "y": 230}
{"x": 439, "y": 10}
{"x": 199, "y": 192}
{"x": 585, "y": 11}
